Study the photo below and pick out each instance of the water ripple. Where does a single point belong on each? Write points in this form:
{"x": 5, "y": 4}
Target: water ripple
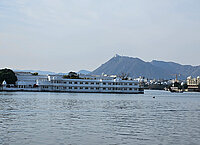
{"x": 51, "y": 118}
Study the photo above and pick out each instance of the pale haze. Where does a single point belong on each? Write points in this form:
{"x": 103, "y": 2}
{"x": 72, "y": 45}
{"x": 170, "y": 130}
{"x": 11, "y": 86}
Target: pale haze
{"x": 66, "y": 35}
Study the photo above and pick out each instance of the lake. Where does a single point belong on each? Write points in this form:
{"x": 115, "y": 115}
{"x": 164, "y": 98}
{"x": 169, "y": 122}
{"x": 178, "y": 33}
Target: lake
{"x": 99, "y": 119}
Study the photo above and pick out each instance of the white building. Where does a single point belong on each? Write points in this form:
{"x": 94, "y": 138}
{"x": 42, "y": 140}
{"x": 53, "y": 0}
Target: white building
{"x": 87, "y": 84}
{"x": 60, "y": 84}
{"x": 193, "y": 83}
{"x": 26, "y": 81}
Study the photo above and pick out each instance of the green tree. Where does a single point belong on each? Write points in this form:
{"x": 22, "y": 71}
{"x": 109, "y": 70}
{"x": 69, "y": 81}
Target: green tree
{"x": 66, "y": 77}
{"x": 71, "y": 75}
{"x": 8, "y": 75}
{"x": 124, "y": 76}
{"x": 199, "y": 87}
{"x": 185, "y": 86}
{"x": 176, "y": 84}
{"x": 35, "y": 74}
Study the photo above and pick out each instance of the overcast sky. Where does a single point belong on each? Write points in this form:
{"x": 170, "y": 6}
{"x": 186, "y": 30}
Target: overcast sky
{"x": 65, "y": 35}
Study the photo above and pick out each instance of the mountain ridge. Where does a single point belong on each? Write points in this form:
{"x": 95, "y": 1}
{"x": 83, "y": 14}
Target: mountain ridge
{"x": 136, "y": 67}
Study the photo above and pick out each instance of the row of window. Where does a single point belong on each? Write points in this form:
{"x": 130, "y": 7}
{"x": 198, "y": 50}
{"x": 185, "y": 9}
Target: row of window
{"x": 91, "y": 83}
{"x": 90, "y": 88}
{"x": 25, "y": 86}
{"x": 96, "y": 83}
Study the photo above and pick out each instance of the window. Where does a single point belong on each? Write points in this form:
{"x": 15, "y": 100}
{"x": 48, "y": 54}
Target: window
{"x": 70, "y": 87}
{"x": 104, "y": 83}
{"x": 75, "y": 87}
{"x": 86, "y": 88}
{"x": 81, "y": 88}
{"x": 97, "y": 88}
{"x": 104, "y": 88}
{"x": 70, "y": 82}
{"x": 86, "y": 82}
{"x": 75, "y": 82}
{"x": 130, "y": 84}
{"x": 92, "y": 83}
{"x": 81, "y": 82}
{"x": 125, "y": 83}
{"x": 109, "y": 83}
{"x": 97, "y": 83}
{"x": 92, "y": 88}
{"x": 130, "y": 89}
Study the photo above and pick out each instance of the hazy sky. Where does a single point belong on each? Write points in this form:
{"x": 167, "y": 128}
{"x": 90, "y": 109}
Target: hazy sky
{"x": 65, "y": 35}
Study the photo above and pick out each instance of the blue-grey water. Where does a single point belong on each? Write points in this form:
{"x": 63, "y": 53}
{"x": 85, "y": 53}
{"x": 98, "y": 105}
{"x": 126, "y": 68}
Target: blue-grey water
{"x": 98, "y": 119}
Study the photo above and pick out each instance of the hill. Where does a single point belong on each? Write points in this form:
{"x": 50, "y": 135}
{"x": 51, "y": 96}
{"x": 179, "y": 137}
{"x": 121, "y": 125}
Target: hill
{"x": 38, "y": 71}
{"x": 136, "y": 67}
{"x": 85, "y": 72}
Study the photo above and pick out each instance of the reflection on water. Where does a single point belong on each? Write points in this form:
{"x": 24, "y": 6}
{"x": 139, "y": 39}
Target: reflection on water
{"x": 64, "y": 118}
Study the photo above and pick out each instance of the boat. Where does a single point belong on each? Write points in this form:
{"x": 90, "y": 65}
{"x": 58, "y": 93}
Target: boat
{"x": 175, "y": 90}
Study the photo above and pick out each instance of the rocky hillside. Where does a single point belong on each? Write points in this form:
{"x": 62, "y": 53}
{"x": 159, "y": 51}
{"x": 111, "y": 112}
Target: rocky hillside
{"x": 136, "y": 67}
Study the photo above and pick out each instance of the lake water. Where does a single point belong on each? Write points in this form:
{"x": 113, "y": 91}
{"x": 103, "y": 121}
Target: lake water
{"x": 98, "y": 119}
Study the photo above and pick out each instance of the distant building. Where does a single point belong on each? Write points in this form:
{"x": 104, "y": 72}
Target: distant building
{"x": 193, "y": 83}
